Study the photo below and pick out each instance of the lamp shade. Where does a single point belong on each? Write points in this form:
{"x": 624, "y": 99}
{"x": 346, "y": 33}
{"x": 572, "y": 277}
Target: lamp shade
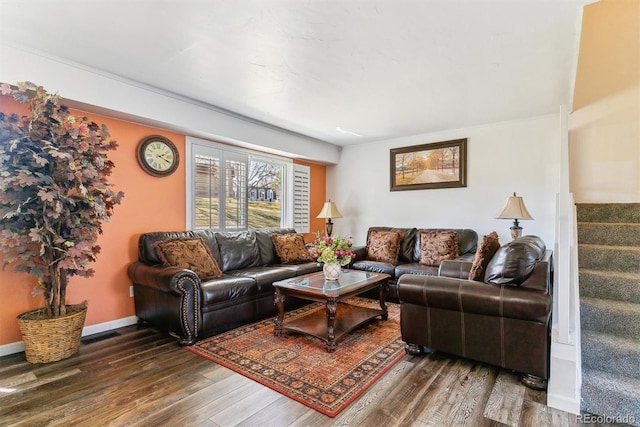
{"x": 514, "y": 209}
{"x": 329, "y": 210}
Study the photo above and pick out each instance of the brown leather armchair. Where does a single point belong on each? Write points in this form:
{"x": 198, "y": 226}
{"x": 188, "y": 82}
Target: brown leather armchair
{"x": 503, "y": 321}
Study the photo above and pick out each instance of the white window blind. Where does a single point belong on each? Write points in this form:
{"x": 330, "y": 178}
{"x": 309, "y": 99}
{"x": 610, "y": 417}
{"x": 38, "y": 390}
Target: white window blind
{"x": 207, "y": 188}
{"x": 301, "y": 190}
{"x": 235, "y": 191}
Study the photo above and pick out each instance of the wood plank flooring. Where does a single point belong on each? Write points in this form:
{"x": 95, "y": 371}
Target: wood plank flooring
{"x": 143, "y": 378}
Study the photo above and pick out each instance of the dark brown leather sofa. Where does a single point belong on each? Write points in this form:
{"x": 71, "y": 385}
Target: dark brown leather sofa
{"x": 409, "y": 255}
{"x": 177, "y": 301}
{"x": 503, "y": 321}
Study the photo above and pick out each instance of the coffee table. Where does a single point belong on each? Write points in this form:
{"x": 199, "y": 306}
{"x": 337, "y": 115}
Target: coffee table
{"x": 341, "y": 318}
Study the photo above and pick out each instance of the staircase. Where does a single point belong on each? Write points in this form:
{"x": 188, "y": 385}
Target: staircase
{"x": 609, "y": 270}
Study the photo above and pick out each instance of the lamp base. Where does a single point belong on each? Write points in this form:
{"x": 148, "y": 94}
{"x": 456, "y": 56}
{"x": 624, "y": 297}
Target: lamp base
{"x": 329, "y": 227}
{"x": 516, "y": 232}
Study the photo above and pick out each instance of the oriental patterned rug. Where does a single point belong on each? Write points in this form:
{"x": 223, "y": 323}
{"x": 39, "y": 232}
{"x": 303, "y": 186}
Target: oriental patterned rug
{"x": 299, "y": 367}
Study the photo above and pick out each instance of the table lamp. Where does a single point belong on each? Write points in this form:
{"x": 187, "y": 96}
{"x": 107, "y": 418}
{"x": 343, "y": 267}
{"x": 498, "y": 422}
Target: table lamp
{"x": 329, "y": 210}
{"x": 515, "y": 209}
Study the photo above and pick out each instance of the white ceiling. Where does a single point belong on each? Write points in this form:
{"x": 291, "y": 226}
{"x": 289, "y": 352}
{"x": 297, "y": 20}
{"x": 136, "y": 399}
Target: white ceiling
{"x": 342, "y": 71}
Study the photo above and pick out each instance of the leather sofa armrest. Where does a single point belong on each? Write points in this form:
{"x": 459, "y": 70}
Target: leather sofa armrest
{"x": 455, "y": 269}
{"x": 164, "y": 279}
{"x": 542, "y": 276}
{"x": 177, "y": 288}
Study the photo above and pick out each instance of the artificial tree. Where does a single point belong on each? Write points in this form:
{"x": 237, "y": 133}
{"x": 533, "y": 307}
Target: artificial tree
{"x": 54, "y": 191}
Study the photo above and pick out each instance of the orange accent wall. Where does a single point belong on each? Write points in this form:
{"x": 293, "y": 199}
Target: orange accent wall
{"x": 150, "y": 204}
{"x": 318, "y": 191}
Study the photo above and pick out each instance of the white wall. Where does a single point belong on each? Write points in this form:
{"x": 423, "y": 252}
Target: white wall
{"x": 520, "y": 156}
{"x": 605, "y": 149}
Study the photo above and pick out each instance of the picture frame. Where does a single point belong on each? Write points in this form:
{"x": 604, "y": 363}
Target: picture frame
{"x": 429, "y": 166}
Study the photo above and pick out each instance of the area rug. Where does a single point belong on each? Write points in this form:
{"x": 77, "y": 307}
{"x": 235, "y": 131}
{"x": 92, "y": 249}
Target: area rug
{"x": 298, "y": 366}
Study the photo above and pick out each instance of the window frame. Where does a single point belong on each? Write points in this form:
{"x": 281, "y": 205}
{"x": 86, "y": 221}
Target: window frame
{"x": 195, "y": 146}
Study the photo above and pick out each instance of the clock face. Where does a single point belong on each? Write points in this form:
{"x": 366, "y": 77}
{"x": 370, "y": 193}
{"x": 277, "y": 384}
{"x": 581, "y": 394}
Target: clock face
{"x": 158, "y": 156}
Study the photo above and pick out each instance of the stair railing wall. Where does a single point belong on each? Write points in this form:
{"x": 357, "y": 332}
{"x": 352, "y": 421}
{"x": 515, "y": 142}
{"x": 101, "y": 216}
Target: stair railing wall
{"x": 566, "y": 371}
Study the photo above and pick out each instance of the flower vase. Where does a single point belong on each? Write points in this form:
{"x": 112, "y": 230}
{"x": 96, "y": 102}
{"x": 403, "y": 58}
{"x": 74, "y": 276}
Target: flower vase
{"x": 331, "y": 270}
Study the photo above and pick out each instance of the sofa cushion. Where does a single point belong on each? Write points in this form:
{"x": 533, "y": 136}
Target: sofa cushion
{"x": 191, "y": 254}
{"x": 227, "y": 290}
{"x": 416, "y": 268}
{"x": 305, "y": 268}
{"x": 238, "y": 250}
{"x": 268, "y": 253}
{"x": 436, "y": 246}
{"x": 407, "y": 241}
{"x": 146, "y": 244}
{"x": 290, "y": 248}
{"x": 514, "y": 262}
{"x": 383, "y": 246}
{"x": 264, "y": 276}
{"x": 374, "y": 266}
{"x": 488, "y": 247}
{"x": 467, "y": 242}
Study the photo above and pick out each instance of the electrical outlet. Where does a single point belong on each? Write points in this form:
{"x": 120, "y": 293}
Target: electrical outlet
{"x": 131, "y": 291}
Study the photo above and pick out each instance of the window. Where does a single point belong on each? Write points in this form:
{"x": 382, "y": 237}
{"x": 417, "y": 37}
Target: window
{"x": 233, "y": 189}
{"x": 265, "y": 180}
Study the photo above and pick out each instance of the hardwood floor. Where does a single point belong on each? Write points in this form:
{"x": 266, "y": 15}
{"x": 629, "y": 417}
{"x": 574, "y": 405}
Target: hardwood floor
{"x": 141, "y": 377}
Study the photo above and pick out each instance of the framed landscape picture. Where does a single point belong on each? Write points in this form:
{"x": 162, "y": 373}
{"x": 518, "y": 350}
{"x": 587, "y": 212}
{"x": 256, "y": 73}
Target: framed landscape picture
{"x": 438, "y": 165}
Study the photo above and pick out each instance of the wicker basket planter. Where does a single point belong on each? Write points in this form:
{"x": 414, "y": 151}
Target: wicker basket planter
{"x": 50, "y": 339}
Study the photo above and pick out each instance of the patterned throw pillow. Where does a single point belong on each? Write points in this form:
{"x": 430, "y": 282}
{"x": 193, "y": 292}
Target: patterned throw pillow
{"x": 290, "y": 248}
{"x": 485, "y": 252}
{"x": 383, "y": 246}
{"x": 191, "y": 254}
{"x": 436, "y": 246}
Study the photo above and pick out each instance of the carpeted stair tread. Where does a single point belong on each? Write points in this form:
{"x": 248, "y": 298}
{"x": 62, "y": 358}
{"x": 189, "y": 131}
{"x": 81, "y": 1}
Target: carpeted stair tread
{"x": 609, "y": 353}
{"x": 608, "y": 212}
{"x": 609, "y": 272}
{"x": 614, "y": 317}
{"x": 613, "y": 285}
{"x": 613, "y": 234}
{"x": 604, "y": 393}
{"x": 609, "y": 258}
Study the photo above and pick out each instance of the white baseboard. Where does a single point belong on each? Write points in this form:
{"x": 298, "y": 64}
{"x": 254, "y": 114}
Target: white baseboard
{"x": 17, "y": 347}
{"x": 563, "y": 403}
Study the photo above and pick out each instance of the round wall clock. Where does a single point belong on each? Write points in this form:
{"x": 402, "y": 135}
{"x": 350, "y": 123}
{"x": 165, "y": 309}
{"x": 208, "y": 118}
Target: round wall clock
{"x": 158, "y": 156}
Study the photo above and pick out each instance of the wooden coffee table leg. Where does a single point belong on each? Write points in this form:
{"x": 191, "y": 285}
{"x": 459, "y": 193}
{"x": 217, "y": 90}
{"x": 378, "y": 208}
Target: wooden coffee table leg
{"x": 278, "y": 300}
{"x": 331, "y": 307}
{"x": 384, "y": 290}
